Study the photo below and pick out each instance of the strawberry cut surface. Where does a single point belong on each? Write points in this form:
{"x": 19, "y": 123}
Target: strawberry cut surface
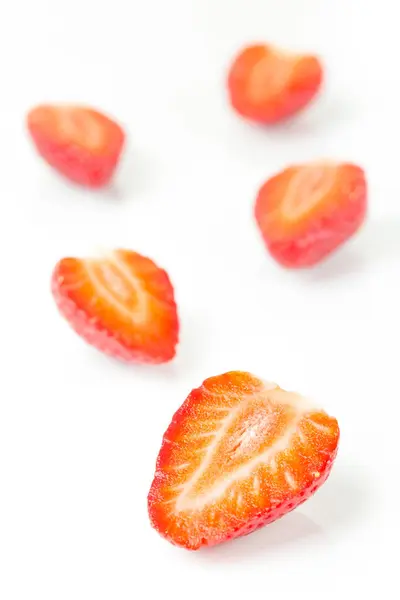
{"x": 79, "y": 142}
{"x": 123, "y": 304}
{"x": 239, "y": 454}
{"x": 267, "y": 85}
{"x": 307, "y": 211}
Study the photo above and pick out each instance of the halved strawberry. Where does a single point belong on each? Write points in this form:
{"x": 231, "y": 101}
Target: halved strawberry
{"x": 268, "y": 85}
{"x": 123, "y": 304}
{"x": 81, "y": 143}
{"x": 306, "y": 211}
{"x": 239, "y": 453}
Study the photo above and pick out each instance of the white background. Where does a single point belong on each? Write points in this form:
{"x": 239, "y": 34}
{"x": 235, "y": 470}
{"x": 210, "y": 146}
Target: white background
{"x": 79, "y": 434}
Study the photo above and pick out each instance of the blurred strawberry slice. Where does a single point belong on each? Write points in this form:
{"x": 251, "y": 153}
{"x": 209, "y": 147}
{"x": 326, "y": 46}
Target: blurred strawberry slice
{"x": 307, "y": 211}
{"x": 79, "y": 142}
{"x": 268, "y": 85}
{"x": 123, "y": 304}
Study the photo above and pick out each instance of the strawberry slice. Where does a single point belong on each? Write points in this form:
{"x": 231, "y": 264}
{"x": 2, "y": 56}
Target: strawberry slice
{"x": 307, "y": 211}
{"x": 239, "y": 453}
{"x": 80, "y": 143}
{"x": 267, "y": 85}
{"x": 123, "y": 304}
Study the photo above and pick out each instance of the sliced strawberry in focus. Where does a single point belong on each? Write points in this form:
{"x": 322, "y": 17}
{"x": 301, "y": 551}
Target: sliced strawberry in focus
{"x": 122, "y": 304}
{"x": 307, "y": 211}
{"x": 267, "y": 85}
{"x": 239, "y": 453}
{"x": 80, "y": 143}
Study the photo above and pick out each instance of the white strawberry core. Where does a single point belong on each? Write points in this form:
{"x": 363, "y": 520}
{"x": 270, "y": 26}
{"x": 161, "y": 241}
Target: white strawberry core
{"x": 80, "y": 126}
{"x": 245, "y": 441}
{"x": 121, "y": 286}
{"x": 270, "y": 75}
{"x": 307, "y": 188}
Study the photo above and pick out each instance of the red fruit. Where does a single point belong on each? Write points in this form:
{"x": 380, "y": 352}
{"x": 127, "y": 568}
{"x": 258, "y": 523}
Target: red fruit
{"x": 81, "y": 143}
{"x": 239, "y": 453}
{"x": 123, "y": 304}
{"x": 306, "y": 211}
{"x": 267, "y": 85}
